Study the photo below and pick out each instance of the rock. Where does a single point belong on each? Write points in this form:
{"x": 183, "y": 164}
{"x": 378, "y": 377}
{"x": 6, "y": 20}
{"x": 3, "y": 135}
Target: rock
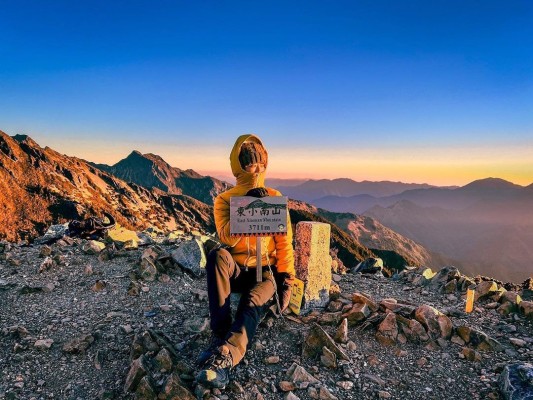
{"x": 450, "y": 287}
{"x": 346, "y": 385}
{"x": 47, "y": 264}
{"x": 79, "y": 344}
{"x": 351, "y": 346}
{"x": 98, "y": 286}
{"x": 88, "y": 270}
{"x": 382, "y": 394}
{"x": 328, "y": 358}
{"x": 335, "y": 306}
{"x": 357, "y": 313}
{"x": 361, "y": 298}
{"x": 518, "y": 342}
{"x": 436, "y": 323}
{"x": 470, "y": 354}
{"x": 43, "y": 344}
{"x": 369, "y": 266}
{"x": 147, "y": 270}
{"x": 325, "y": 394}
{"x": 318, "y": 338}
{"x": 136, "y": 373}
{"x": 190, "y": 256}
{"x": 387, "y": 330}
{"x": 163, "y": 360}
{"x": 145, "y": 391}
{"x": 291, "y": 396}
{"x": 413, "y": 330}
{"x": 526, "y": 308}
{"x": 287, "y": 386}
{"x": 123, "y": 238}
{"x": 341, "y": 336}
{"x": 299, "y": 376}
{"x": 196, "y": 324}
{"x": 313, "y": 262}
{"x": 330, "y": 318}
{"x": 516, "y": 381}
{"x": 93, "y": 247}
{"x": 174, "y": 390}
{"x": 272, "y": 360}
{"x": 510, "y": 296}
{"x": 506, "y": 308}
{"x": 54, "y": 233}
{"x": 485, "y": 289}
{"x": 442, "y": 277}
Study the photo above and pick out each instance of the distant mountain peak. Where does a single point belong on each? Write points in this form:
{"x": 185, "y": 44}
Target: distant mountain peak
{"x": 490, "y": 183}
{"x": 25, "y": 139}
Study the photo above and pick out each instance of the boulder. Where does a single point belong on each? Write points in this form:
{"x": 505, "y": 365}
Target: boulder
{"x": 436, "y": 323}
{"x": 516, "y": 381}
{"x": 136, "y": 373}
{"x": 190, "y": 256}
{"x": 388, "y": 330}
{"x": 371, "y": 265}
{"x": 526, "y": 308}
{"x": 316, "y": 339}
{"x": 485, "y": 289}
{"x": 313, "y": 262}
{"x": 445, "y": 275}
{"x": 174, "y": 389}
{"x": 361, "y": 298}
{"x": 357, "y": 313}
{"x": 123, "y": 238}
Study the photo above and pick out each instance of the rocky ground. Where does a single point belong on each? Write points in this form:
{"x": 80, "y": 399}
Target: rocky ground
{"x": 72, "y": 331}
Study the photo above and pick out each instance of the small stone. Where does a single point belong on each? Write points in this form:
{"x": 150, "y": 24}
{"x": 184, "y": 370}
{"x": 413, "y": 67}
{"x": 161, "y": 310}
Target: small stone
{"x": 88, "y": 270}
{"x": 79, "y": 344}
{"x": 272, "y": 360}
{"x": 384, "y": 395}
{"x": 341, "y": 336}
{"x": 518, "y": 342}
{"x": 470, "y": 354}
{"x": 287, "y": 386}
{"x": 290, "y": 396}
{"x": 127, "y": 329}
{"x": 346, "y": 385}
{"x": 47, "y": 264}
{"x": 43, "y": 344}
{"x": 351, "y": 346}
{"x": 325, "y": 394}
{"x": 98, "y": 286}
{"x": 136, "y": 373}
{"x": 328, "y": 358}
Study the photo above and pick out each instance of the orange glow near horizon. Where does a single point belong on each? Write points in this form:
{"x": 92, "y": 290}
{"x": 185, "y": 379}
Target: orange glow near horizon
{"x": 437, "y": 166}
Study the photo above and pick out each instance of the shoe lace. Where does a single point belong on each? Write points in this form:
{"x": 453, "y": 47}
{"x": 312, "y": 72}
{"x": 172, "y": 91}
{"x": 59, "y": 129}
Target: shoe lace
{"x": 219, "y": 360}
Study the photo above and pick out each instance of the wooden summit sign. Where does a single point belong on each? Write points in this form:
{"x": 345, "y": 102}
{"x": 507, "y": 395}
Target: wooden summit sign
{"x": 252, "y": 216}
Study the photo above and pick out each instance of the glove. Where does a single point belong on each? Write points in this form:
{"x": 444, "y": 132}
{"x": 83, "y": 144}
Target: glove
{"x": 284, "y": 283}
{"x": 257, "y": 192}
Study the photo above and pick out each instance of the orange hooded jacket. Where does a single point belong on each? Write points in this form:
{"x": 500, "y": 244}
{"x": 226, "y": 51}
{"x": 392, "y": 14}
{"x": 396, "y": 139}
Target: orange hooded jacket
{"x": 279, "y": 248}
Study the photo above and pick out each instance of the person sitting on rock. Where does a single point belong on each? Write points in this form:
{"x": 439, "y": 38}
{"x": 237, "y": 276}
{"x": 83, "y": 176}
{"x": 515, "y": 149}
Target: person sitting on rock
{"x": 233, "y": 269}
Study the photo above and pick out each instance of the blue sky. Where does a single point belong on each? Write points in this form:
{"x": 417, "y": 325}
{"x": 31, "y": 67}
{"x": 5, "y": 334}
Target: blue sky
{"x": 440, "y": 91}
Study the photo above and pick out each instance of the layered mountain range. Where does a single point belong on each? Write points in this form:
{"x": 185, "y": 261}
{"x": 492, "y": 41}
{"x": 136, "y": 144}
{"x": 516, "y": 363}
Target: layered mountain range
{"x": 486, "y": 226}
{"x": 40, "y": 187}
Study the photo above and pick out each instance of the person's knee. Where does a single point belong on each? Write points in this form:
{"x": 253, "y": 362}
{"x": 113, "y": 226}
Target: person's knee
{"x": 218, "y": 258}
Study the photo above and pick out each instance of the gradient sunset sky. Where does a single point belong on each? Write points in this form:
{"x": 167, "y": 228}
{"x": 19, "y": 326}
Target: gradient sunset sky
{"x": 417, "y": 91}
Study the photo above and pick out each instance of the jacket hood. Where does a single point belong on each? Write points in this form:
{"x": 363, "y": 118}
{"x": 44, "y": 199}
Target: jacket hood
{"x": 246, "y": 178}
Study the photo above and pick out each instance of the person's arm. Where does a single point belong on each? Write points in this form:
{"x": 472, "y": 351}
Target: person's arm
{"x": 221, "y": 212}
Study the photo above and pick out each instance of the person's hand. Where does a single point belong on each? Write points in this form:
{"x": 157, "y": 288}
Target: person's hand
{"x": 257, "y": 192}
{"x": 284, "y": 282}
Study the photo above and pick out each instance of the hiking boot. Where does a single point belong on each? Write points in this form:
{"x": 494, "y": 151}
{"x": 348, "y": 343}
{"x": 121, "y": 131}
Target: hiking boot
{"x": 214, "y": 344}
{"x": 216, "y": 370}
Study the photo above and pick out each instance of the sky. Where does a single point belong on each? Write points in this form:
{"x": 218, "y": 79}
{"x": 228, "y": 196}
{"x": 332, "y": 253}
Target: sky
{"x": 439, "y": 92}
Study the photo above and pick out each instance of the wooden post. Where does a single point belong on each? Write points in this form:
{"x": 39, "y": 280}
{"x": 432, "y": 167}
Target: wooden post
{"x": 258, "y": 256}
